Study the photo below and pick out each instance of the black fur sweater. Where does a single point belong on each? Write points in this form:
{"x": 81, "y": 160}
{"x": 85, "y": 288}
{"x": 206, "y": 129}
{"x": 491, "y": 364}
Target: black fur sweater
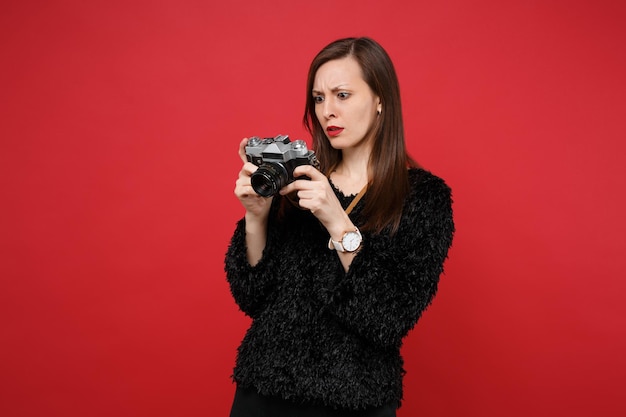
{"x": 323, "y": 336}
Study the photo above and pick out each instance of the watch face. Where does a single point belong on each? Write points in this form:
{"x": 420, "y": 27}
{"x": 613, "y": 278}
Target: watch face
{"x": 351, "y": 241}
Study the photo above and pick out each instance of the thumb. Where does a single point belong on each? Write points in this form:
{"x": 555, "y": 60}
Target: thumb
{"x": 242, "y": 150}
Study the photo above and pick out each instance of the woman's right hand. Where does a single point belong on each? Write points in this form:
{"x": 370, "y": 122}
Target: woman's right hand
{"x": 257, "y": 207}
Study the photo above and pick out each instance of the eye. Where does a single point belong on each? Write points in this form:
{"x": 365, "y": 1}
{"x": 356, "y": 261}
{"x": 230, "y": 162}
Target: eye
{"x": 343, "y": 95}
{"x": 318, "y": 99}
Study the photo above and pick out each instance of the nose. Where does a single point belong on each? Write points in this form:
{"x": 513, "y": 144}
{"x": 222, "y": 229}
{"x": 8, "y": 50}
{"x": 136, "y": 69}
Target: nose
{"x": 328, "y": 110}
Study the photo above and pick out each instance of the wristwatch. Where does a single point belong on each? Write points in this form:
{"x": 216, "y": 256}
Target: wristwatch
{"x": 350, "y": 242}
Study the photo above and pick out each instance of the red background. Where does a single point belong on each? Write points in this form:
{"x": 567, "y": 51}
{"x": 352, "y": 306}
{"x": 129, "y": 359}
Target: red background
{"x": 118, "y": 155}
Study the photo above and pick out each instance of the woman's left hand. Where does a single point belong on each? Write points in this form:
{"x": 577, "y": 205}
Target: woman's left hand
{"x": 317, "y": 196}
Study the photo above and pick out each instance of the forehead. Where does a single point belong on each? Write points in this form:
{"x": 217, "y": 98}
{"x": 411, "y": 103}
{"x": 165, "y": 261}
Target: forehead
{"x": 344, "y": 71}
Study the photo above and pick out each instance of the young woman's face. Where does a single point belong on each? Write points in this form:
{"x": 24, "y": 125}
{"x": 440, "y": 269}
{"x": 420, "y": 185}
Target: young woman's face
{"x": 345, "y": 105}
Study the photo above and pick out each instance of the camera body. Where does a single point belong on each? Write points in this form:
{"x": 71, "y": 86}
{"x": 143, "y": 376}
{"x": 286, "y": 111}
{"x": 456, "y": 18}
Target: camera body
{"x": 276, "y": 158}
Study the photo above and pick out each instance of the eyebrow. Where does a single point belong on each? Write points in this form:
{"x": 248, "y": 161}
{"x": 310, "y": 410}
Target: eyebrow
{"x": 333, "y": 90}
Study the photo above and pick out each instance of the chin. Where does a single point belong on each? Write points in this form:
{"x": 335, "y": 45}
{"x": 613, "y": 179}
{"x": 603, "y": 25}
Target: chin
{"x": 338, "y": 144}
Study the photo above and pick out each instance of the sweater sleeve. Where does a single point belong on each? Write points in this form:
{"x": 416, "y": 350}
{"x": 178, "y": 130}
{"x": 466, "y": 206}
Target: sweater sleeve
{"x": 393, "y": 279}
{"x": 251, "y": 286}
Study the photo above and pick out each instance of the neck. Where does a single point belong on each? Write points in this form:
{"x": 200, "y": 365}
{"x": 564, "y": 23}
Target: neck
{"x": 351, "y": 175}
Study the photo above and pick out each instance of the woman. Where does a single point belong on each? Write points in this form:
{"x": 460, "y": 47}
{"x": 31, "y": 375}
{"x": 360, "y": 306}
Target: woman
{"x": 332, "y": 294}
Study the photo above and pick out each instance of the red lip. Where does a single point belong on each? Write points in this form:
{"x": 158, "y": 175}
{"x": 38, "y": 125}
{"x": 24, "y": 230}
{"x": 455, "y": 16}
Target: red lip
{"x": 334, "y": 130}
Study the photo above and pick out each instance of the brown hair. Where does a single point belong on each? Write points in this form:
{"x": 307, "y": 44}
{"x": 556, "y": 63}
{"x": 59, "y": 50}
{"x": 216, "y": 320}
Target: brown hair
{"x": 388, "y": 163}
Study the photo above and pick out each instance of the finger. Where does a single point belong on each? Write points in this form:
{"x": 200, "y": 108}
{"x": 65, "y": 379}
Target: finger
{"x": 309, "y": 171}
{"x": 242, "y": 150}
{"x": 246, "y": 192}
{"x": 248, "y": 168}
{"x": 288, "y": 188}
{"x": 307, "y": 201}
{"x": 296, "y": 186}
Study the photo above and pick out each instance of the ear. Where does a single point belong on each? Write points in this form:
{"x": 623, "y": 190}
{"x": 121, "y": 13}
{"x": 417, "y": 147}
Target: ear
{"x": 379, "y": 106}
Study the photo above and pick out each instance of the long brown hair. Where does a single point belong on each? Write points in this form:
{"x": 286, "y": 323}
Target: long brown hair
{"x": 389, "y": 161}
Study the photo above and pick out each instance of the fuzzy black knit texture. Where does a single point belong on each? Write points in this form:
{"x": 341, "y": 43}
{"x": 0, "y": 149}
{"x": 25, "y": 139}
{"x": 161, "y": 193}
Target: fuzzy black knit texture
{"x": 320, "y": 335}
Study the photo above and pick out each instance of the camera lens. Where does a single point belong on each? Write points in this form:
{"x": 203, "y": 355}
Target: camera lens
{"x": 268, "y": 179}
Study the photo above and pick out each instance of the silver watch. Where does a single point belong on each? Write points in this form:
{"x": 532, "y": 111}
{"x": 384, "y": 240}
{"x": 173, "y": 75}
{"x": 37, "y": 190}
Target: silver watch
{"x": 350, "y": 242}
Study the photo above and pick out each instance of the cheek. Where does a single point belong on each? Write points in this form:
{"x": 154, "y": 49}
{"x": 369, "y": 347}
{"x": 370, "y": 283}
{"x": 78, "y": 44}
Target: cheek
{"x": 368, "y": 114}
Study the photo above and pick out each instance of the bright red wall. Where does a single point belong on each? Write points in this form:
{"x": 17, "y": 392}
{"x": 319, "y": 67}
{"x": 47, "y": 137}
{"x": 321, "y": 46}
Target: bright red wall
{"x": 119, "y": 129}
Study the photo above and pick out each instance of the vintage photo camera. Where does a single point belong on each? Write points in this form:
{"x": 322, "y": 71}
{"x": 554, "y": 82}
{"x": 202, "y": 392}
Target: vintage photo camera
{"x": 276, "y": 158}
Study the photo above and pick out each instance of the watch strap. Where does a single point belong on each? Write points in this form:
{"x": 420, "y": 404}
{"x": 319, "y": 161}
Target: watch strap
{"x": 334, "y": 245}
{"x": 338, "y": 245}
